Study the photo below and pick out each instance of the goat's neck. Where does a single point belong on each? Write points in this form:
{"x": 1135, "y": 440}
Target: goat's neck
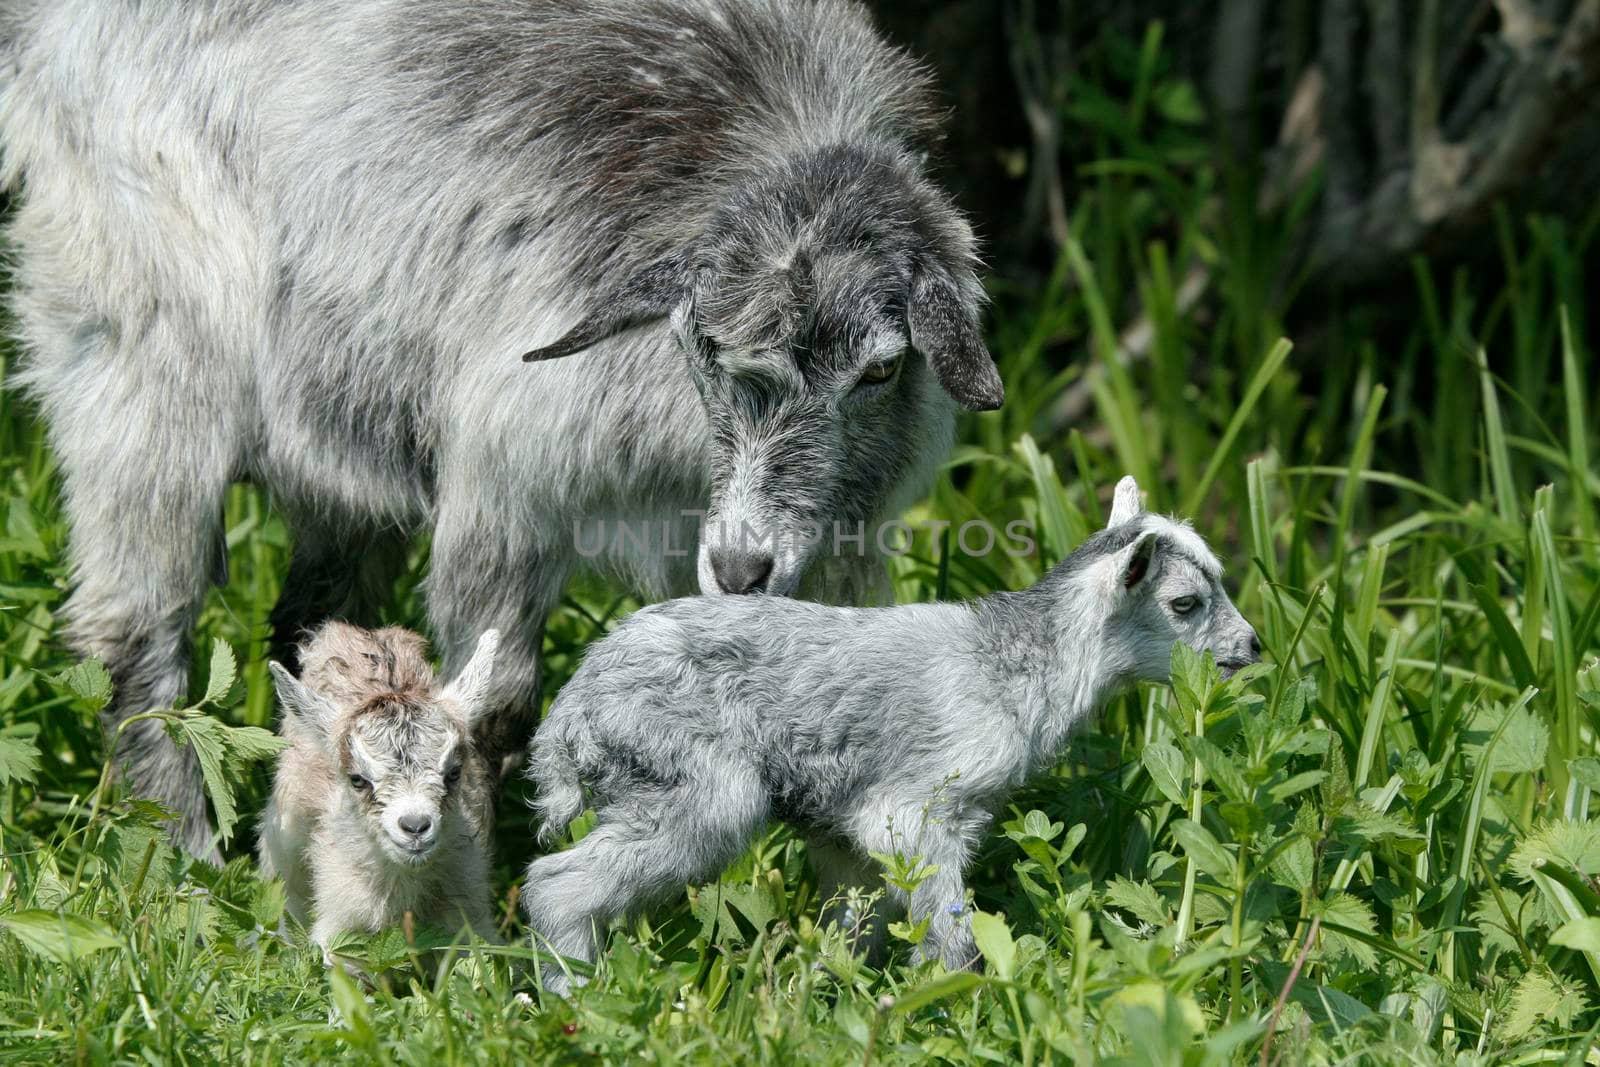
{"x": 1054, "y": 663}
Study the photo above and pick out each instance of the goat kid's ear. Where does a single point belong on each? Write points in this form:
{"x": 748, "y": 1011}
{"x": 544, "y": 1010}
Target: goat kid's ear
{"x": 650, "y": 294}
{"x": 305, "y": 706}
{"x": 1134, "y": 562}
{"x": 470, "y": 689}
{"x": 945, "y": 332}
{"x": 1125, "y": 503}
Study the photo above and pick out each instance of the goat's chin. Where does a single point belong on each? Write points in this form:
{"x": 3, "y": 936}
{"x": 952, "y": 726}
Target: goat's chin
{"x": 406, "y": 856}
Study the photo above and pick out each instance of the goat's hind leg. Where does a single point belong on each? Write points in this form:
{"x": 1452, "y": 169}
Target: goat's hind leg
{"x": 637, "y": 856}
{"x": 845, "y": 881}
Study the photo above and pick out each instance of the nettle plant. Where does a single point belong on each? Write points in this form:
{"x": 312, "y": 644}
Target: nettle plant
{"x": 1252, "y": 832}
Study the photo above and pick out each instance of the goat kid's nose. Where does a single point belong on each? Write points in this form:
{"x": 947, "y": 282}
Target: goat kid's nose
{"x": 1255, "y": 646}
{"x": 740, "y": 570}
{"x": 416, "y": 824}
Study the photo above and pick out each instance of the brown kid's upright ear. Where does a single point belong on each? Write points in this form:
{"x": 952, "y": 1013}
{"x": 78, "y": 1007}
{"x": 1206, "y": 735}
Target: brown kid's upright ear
{"x": 648, "y": 295}
{"x": 945, "y": 332}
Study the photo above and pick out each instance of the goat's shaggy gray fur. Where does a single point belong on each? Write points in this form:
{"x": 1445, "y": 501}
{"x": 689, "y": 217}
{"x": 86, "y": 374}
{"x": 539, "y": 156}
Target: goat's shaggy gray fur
{"x": 381, "y": 805}
{"x": 872, "y": 730}
{"x": 308, "y": 243}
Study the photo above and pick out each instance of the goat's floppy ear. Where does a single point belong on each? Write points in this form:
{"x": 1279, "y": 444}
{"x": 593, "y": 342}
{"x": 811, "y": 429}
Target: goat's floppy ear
{"x": 650, "y": 294}
{"x": 944, "y": 331}
{"x": 300, "y": 704}
{"x": 1134, "y": 563}
{"x": 470, "y": 689}
{"x": 1125, "y": 502}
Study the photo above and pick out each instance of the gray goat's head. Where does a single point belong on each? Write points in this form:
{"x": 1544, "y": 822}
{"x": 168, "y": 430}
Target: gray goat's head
{"x": 829, "y": 314}
{"x": 1159, "y": 584}
{"x": 404, "y": 754}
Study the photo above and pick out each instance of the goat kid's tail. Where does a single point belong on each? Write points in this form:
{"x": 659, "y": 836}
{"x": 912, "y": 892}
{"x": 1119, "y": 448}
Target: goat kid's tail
{"x": 553, "y": 766}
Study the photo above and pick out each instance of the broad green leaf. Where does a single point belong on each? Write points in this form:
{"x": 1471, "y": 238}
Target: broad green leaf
{"x": 1297, "y": 784}
{"x": 223, "y": 673}
{"x": 1369, "y": 826}
{"x": 1204, "y": 850}
{"x": 19, "y": 759}
{"x": 1564, "y": 842}
{"x": 1193, "y": 676}
{"x": 60, "y": 936}
{"x": 995, "y": 942}
{"x": 205, "y": 735}
{"x": 1324, "y": 1003}
{"x": 247, "y": 744}
{"x": 1039, "y": 825}
{"x": 1581, "y": 934}
{"x": 1220, "y": 769}
{"x": 1167, "y": 770}
{"x": 1539, "y": 997}
{"x": 1522, "y": 745}
{"x": 1140, "y": 899}
{"x": 946, "y": 985}
{"x": 1292, "y": 866}
{"x": 1349, "y": 911}
{"x": 89, "y": 680}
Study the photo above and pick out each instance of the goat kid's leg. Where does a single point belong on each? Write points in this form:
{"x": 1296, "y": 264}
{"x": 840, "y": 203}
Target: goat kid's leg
{"x": 637, "y": 856}
{"x": 842, "y": 872}
{"x": 941, "y": 844}
{"x": 486, "y": 574}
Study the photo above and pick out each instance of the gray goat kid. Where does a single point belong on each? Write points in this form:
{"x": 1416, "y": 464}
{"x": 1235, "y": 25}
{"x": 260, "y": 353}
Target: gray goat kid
{"x": 307, "y": 244}
{"x": 871, "y": 730}
{"x": 381, "y": 803}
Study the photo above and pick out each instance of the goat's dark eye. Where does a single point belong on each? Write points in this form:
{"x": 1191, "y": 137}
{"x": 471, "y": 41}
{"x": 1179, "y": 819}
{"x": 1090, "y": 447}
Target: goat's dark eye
{"x": 359, "y": 783}
{"x": 879, "y": 371}
{"x": 451, "y": 777}
{"x": 1185, "y": 604}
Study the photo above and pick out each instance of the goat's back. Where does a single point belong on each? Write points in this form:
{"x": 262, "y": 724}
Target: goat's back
{"x": 336, "y": 223}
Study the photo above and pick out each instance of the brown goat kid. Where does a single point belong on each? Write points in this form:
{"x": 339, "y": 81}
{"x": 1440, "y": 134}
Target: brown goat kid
{"x": 381, "y": 805}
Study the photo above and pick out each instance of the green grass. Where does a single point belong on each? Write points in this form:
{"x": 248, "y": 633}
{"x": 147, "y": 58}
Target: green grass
{"x": 1377, "y": 849}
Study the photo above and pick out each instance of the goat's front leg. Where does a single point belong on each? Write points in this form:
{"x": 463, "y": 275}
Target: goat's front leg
{"x": 939, "y": 844}
{"x": 323, "y": 933}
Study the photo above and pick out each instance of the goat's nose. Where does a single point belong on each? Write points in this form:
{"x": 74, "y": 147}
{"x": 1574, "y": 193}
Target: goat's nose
{"x": 416, "y": 824}
{"x": 740, "y": 570}
{"x": 1255, "y": 645}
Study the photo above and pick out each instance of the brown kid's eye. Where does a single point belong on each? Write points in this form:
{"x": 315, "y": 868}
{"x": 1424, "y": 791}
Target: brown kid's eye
{"x": 879, "y": 372}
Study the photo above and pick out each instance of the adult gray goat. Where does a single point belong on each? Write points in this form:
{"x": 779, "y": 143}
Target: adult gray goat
{"x": 309, "y": 244}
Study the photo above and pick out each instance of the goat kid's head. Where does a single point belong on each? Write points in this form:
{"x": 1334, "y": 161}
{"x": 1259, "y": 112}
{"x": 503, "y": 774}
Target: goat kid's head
{"x": 1160, "y": 584}
{"x": 402, "y": 754}
{"x": 829, "y": 315}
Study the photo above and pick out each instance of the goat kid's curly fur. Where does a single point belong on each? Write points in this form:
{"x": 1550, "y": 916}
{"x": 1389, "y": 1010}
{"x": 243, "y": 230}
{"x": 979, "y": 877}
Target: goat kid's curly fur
{"x": 308, "y": 244}
{"x": 871, "y": 730}
{"x": 381, "y": 805}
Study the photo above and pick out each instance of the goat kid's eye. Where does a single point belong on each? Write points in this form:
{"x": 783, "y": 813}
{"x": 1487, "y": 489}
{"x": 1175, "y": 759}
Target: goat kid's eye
{"x": 1185, "y": 604}
{"x": 359, "y": 783}
{"x": 879, "y": 372}
{"x": 452, "y": 776}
